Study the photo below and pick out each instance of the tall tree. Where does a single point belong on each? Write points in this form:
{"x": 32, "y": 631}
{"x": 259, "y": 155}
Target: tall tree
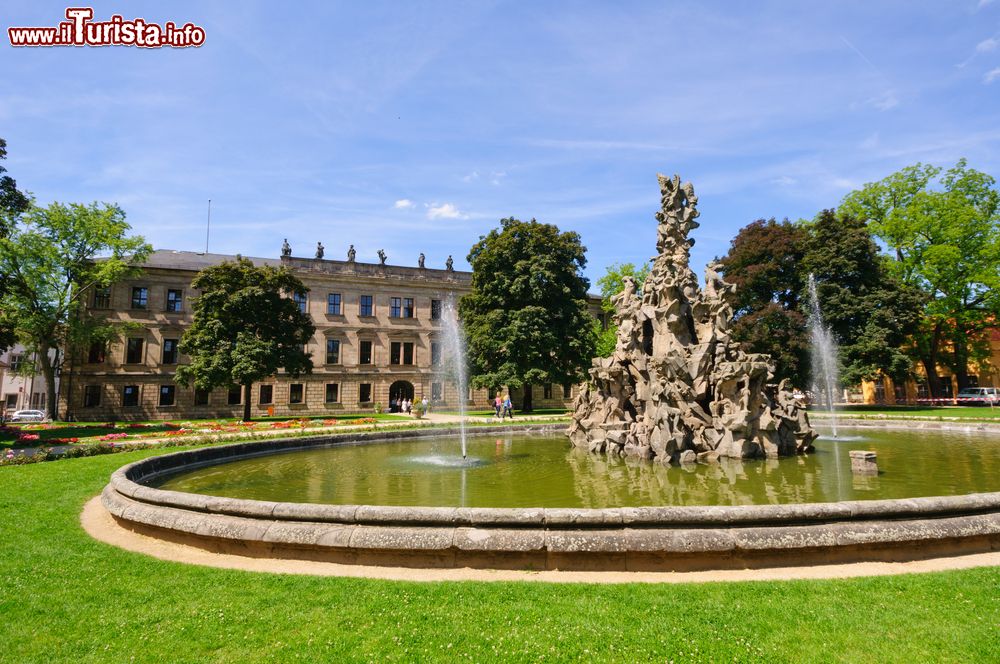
{"x": 526, "y": 319}
{"x": 13, "y": 204}
{"x": 871, "y": 313}
{"x": 611, "y": 284}
{"x": 246, "y": 327}
{"x": 944, "y": 232}
{"x": 52, "y": 257}
{"x": 764, "y": 261}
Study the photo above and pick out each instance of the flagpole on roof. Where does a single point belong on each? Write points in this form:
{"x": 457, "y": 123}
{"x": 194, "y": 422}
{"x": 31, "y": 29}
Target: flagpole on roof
{"x": 208, "y": 225}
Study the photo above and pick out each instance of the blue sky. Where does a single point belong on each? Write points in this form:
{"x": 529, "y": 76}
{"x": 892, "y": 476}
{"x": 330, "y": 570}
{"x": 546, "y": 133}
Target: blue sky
{"x": 415, "y": 127}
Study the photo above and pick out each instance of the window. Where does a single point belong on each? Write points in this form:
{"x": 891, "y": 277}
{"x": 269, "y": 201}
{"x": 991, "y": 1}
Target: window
{"x": 130, "y": 396}
{"x": 401, "y": 352}
{"x": 91, "y": 396}
{"x": 923, "y": 391}
{"x": 201, "y": 396}
{"x": 266, "y": 394}
{"x": 295, "y": 393}
{"x": 235, "y": 396}
{"x": 170, "y": 351}
{"x": 332, "y": 392}
{"x": 300, "y": 300}
{"x": 435, "y": 353}
{"x": 365, "y": 392}
{"x": 102, "y": 298}
{"x": 365, "y": 307}
{"x": 547, "y": 391}
{"x": 133, "y": 351}
{"x": 140, "y": 297}
{"x": 435, "y": 391}
{"x": 15, "y": 362}
{"x": 333, "y": 351}
{"x": 567, "y": 391}
{"x": 395, "y": 305}
{"x": 333, "y": 304}
{"x": 11, "y": 401}
{"x": 96, "y": 353}
{"x": 365, "y": 352}
{"x": 407, "y": 307}
{"x": 175, "y": 300}
{"x": 167, "y": 395}
{"x": 973, "y": 381}
{"x": 435, "y": 309}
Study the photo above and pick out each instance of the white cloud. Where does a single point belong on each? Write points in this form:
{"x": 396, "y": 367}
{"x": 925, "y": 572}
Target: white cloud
{"x": 403, "y": 204}
{"x": 983, "y": 3}
{"x": 784, "y": 181}
{"x": 444, "y": 211}
{"x": 991, "y": 75}
{"x": 885, "y": 101}
{"x": 496, "y": 176}
{"x": 987, "y": 45}
{"x": 474, "y": 175}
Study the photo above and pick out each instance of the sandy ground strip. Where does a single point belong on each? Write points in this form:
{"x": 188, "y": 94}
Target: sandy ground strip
{"x": 100, "y": 525}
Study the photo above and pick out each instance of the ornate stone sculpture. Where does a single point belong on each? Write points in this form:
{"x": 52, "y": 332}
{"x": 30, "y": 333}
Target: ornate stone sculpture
{"x": 319, "y": 250}
{"x": 449, "y": 264}
{"x": 286, "y": 249}
{"x": 381, "y": 256}
{"x": 350, "y": 254}
{"x": 677, "y": 388}
{"x": 420, "y": 260}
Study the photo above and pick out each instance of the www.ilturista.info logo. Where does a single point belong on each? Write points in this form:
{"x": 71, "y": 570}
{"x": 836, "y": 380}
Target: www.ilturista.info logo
{"x": 80, "y": 30}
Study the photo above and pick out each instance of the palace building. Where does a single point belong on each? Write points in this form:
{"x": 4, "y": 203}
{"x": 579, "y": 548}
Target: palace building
{"x": 378, "y": 337}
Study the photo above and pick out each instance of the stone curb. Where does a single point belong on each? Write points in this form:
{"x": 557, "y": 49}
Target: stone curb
{"x": 615, "y": 538}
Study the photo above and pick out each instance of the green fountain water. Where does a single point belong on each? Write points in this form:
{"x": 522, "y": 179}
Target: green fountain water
{"x": 544, "y": 471}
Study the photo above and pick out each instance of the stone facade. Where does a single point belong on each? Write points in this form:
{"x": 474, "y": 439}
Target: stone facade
{"x": 677, "y": 388}
{"x": 377, "y": 333}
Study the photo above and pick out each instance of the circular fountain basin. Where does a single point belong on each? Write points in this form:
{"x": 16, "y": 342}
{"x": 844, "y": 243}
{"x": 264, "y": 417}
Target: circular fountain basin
{"x": 530, "y": 501}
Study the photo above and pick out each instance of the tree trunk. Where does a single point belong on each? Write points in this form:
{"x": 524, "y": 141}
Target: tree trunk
{"x": 49, "y": 372}
{"x": 933, "y": 380}
{"x": 246, "y": 402}
{"x": 526, "y": 399}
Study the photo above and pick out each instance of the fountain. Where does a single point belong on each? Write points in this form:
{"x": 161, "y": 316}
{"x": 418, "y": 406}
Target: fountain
{"x": 824, "y": 353}
{"x": 677, "y": 388}
{"x": 454, "y": 341}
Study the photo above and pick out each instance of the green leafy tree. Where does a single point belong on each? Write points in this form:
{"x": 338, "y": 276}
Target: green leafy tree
{"x": 764, "y": 261}
{"x": 51, "y": 258}
{"x": 13, "y": 204}
{"x": 944, "y": 232}
{"x": 611, "y": 284}
{"x": 246, "y": 327}
{"x": 870, "y": 311}
{"x": 526, "y": 319}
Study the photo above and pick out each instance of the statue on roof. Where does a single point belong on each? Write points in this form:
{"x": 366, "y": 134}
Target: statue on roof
{"x": 286, "y": 249}
{"x": 350, "y": 254}
{"x": 319, "y": 250}
{"x": 420, "y": 260}
{"x": 449, "y": 264}
{"x": 381, "y": 256}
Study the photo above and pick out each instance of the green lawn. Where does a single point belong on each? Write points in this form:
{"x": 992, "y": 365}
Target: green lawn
{"x": 65, "y": 597}
{"x": 964, "y": 412}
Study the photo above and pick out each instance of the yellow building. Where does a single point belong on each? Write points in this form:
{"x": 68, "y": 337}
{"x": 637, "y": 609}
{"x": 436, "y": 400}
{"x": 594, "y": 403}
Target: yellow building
{"x": 378, "y": 338}
{"x": 915, "y": 391}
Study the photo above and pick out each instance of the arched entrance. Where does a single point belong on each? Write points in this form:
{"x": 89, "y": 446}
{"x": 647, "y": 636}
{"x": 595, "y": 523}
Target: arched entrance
{"x": 398, "y": 391}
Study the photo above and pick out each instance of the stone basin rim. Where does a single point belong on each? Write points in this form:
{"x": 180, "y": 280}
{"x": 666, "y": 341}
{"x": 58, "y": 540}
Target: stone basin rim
{"x": 128, "y": 480}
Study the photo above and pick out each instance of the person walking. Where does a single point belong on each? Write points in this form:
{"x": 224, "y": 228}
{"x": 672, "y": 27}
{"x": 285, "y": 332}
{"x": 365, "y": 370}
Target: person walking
{"x": 497, "y": 405}
{"x": 508, "y": 407}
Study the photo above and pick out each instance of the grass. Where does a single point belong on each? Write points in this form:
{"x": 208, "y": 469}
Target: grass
{"x": 65, "y": 597}
{"x": 940, "y": 412}
{"x": 491, "y": 413}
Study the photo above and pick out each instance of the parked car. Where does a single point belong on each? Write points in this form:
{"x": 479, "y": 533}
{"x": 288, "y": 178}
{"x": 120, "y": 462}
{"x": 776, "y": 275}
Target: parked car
{"x": 28, "y": 416}
{"x": 979, "y": 396}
